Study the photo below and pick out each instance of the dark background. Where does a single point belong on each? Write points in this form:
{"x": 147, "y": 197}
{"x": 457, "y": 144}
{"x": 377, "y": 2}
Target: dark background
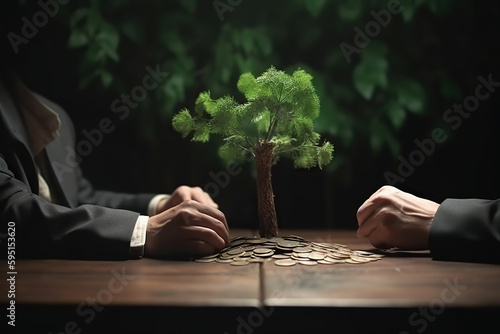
{"x": 144, "y": 154}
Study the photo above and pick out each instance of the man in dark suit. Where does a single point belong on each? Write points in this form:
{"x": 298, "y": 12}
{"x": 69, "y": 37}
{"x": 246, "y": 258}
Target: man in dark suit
{"x": 457, "y": 230}
{"x": 56, "y": 211}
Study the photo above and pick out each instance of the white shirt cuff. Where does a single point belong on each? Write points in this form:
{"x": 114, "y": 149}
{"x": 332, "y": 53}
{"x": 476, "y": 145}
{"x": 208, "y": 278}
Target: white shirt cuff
{"x": 153, "y": 204}
{"x": 138, "y": 239}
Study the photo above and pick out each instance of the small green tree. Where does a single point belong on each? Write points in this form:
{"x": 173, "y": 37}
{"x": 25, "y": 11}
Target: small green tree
{"x": 276, "y": 120}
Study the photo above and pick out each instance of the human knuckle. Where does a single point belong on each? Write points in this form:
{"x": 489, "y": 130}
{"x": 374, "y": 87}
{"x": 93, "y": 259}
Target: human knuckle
{"x": 185, "y": 214}
{"x": 383, "y": 199}
{"x": 182, "y": 190}
{"x": 210, "y": 234}
{"x": 386, "y": 214}
{"x": 188, "y": 204}
{"x": 220, "y": 216}
{"x": 359, "y": 213}
{"x": 387, "y": 188}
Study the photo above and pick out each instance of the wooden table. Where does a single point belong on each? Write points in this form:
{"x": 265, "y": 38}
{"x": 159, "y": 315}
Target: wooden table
{"x": 405, "y": 292}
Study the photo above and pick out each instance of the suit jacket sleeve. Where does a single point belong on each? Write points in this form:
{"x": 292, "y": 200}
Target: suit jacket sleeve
{"x": 93, "y": 225}
{"x": 48, "y": 230}
{"x": 466, "y": 230}
{"x": 135, "y": 202}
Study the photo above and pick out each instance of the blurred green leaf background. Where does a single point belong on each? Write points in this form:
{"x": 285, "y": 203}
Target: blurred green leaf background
{"x": 375, "y": 101}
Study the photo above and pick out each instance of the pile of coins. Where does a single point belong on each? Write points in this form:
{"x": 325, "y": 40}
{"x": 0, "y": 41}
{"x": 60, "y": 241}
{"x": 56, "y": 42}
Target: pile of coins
{"x": 287, "y": 251}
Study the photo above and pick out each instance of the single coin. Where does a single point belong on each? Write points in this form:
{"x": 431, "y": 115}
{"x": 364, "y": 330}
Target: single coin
{"x": 339, "y": 261}
{"x": 323, "y": 244}
{"x": 316, "y": 255}
{"x": 281, "y": 256}
{"x": 285, "y": 263}
{"x": 362, "y": 253}
{"x": 262, "y": 250}
{"x": 259, "y": 259}
{"x": 294, "y": 237}
{"x": 308, "y": 262}
{"x": 256, "y": 241}
{"x": 343, "y": 251}
{"x": 351, "y": 261}
{"x": 226, "y": 256}
{"x": 268, "y": 254}
{"x": 239, "y": 263}
{"x": 237, "y": 241}
{"x": 304, "y": 255}
{"x": 325, "y": 262}
{"x": 206, "y": 260}
{"x": 302, "y": 250}
{"x": 235, "y": 251}
{"x": 359, "y": 259}
{"x": 301, "y": 255}
{"x": 285, "y": 249}
{"x": 372, "y": 256}
{"x": 338, "y": 256}
{"x": 288, "y": 243}
{"x": 275, "y": 239}
{"x": 224, "y": 260}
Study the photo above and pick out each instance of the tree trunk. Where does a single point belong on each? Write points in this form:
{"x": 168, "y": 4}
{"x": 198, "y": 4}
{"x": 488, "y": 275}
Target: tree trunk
{"x": 265, "y": 196}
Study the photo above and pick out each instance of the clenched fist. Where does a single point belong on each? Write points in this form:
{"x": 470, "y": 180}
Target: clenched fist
{"x": 393, "y": 218}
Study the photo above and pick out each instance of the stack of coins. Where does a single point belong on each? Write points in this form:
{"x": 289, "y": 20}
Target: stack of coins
{"x": 287, "y": 251}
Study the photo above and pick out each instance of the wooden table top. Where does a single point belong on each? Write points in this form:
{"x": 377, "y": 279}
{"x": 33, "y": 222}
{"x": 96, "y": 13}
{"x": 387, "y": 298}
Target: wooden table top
{"x": 400, "y": 280}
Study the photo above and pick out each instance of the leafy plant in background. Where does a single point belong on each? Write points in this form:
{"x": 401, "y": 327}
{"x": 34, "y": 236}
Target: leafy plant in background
{"x": 365, "y": 102}
{"x": 277, "y": 120}
{"x": 101, "y": 39}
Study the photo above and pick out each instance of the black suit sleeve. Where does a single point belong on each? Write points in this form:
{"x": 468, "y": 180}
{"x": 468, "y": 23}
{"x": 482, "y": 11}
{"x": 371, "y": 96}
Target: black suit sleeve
{"x": 47, "y": 230}
{"x": 89, "y": 224}
{"x": 466, "y": 230}
{"x": 134, "y": 202}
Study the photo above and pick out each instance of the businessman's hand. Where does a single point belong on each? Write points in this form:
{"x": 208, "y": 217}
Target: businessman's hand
{"x": 190, "y": 228}
{"x": 185, "y": 193}
{"x": 393, "y": 218}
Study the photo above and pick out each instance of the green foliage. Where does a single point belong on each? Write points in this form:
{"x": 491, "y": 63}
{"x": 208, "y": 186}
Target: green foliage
{"x": 371, "y": 72}
{"x": 365, "y": 103}
{"x": 101, "y": 40}
{"x": 411, "y": 95}
{"x": 280, "y": 109}
{"x": 184, "y": 123}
